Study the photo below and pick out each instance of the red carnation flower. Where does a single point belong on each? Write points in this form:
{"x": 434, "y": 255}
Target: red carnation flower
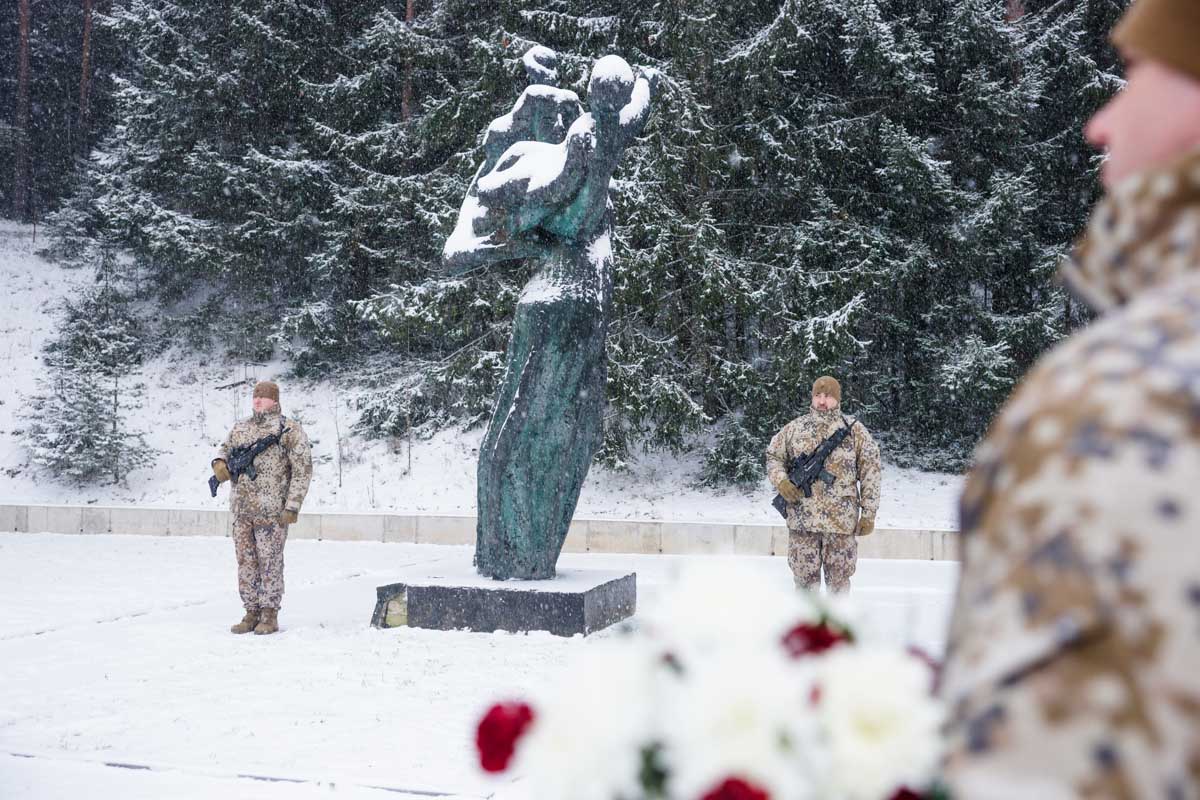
{"x": 807, "y": 639}
{"x": 904, "y": 793}
{"x": 736, "y": 789}
{"x": 498, "y": 732}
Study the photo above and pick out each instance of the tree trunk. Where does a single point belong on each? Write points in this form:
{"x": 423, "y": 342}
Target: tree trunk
{"x": 116, "y": 412}
{"x": 85, "y": 75}
{"x": 406, "y": 92}
{"x": 21, "y": 117}
{"x": 752, "y": 330}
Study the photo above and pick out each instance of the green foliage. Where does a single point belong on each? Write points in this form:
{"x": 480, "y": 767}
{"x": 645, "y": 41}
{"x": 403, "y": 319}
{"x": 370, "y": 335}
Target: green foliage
{"x": 78, "y": 422}
{"x": 877, "y": 189}
{"x": 59, "y": 136}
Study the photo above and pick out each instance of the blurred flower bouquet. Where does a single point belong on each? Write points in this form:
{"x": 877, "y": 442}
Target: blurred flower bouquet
{"x": 731, "y": 691}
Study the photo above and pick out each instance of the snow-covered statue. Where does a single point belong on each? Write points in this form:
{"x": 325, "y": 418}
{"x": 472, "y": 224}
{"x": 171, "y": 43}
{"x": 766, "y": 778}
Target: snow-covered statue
{"x": 542, "y": 194}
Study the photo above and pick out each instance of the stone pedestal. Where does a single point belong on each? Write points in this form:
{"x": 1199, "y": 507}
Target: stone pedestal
{"x": 576, "y": 602}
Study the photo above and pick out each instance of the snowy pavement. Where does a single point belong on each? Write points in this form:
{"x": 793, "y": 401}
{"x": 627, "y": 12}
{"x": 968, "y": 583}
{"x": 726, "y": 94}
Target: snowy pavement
{"x": 120, "y": 679}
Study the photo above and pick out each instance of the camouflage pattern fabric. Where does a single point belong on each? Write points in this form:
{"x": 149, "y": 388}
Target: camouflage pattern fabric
{"x": 283, "y": 475}
{"x": 284, "y": 472}
{"x": 808, "y": 553}
{"x": 259, "y": 548}
{"x": 855, "y": 466}
{"x": 822, "y": 528}
{"x": 1073, "y": 668}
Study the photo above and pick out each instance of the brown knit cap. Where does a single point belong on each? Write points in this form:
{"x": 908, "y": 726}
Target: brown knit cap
{"x": 267, "y": 389}
{"x": 827, "y": 385}
{"x": 1162, "y": 30}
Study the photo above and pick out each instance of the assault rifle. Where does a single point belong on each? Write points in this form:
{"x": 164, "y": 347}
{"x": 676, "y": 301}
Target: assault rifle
{"x": 806, "y": 469}
{"x": 241, "y": 459}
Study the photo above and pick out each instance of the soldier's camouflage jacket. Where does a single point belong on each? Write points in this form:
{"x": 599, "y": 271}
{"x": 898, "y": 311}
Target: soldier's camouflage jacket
{"x": 854, "y": 464}
{"x": 284, "y": 471}
{"x": 1073, "y": 667}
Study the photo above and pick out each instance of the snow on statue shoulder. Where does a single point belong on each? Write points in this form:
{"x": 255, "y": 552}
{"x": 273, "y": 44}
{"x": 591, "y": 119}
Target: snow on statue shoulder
{"x": 542, "y": 193}
{"x": 547, "y": 163}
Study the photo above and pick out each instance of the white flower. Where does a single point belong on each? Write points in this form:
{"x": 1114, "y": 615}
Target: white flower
{"x": 709, "y": 681}
{"x": 589, "y": 730}
{"x": 741, "y": 713}
{"x": 722, "y": 606}
{"x": 880, "y": 722}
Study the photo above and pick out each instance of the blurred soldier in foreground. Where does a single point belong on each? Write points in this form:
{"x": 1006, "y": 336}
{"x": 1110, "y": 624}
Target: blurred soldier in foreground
{"x": 1073, "y": 667}
{"x": 836, "y": 464}
{"x": 270, "y": 463}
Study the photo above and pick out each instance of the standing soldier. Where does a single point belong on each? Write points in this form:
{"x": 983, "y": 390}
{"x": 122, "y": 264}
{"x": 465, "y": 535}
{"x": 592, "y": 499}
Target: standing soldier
{"x": 1073, "y": 668}
{"x": 822, "y": 528}
{"x": 265, "y": 506}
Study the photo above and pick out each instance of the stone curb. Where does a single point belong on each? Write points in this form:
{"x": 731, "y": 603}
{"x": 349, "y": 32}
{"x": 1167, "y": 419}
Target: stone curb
{"x": 585, "y": 536}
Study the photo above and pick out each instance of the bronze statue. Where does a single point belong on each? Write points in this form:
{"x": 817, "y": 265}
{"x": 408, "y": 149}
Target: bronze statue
{"x": 542, "y": 194}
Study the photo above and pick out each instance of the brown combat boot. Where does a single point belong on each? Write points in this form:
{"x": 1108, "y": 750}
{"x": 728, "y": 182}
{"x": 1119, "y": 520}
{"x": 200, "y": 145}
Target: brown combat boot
{"x": 268, "y": 621}
{"x": 248, "y": 622}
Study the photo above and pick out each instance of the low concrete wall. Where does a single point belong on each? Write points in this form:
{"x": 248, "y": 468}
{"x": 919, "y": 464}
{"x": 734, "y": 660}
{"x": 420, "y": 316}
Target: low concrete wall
{"x": 585, "y": 536}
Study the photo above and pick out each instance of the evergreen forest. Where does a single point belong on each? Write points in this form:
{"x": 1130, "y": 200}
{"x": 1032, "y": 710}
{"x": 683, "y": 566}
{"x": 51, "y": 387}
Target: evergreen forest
{"x": 879, "y": 190}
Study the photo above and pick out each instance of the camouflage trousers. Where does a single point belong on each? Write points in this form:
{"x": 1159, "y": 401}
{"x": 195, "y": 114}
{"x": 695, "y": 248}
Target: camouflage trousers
{"x": 258, "y": 544}
{"x": 809, "y": 552}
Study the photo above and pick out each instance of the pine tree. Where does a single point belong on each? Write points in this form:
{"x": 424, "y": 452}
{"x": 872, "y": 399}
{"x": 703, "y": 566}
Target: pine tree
{"x": 878, "y": 189}
{"x": 899, "y": 213}
{"x": 57, "y": 132}
{"x": 78, "y": 423}
{"x": 825, "y": 187}
{"x": 402, "y": 180}
{"x": 210, "y": 179}
{"x": 399, "y": 182}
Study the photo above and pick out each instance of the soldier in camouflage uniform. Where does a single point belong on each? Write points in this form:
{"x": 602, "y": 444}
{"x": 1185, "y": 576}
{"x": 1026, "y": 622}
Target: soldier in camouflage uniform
{"x": 822, "y": 529}
{"x": 263, "y": 508}
{"x": 1073, "y": 668}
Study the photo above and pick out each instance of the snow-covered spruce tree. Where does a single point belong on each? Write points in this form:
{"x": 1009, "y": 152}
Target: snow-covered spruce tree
{"x": 209, "y": 180}
{"x": 421, "y": 91}
{"x": 830, "y": 187}
{"x": 888, "y": 192}
{"x": 674, "y": 303}
{"x": 876, "y": 188}
{"x": 1066, "y": 51}
{"x": 60, "y": 129}
{"x": 414, "y": 172}
{"x": 78, "y": 424}
{"x": 401, "y": 176}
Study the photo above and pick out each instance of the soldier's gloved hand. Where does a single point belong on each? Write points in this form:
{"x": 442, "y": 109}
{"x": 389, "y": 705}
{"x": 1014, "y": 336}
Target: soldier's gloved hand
{"x": 289, "y": 517}
{"x": 220, "y": 469}
{"x": 789, "y": 491}
{"x": 866, "y": 526}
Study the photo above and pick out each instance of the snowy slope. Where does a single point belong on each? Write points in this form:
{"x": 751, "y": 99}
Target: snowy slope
{"x": 31, "y": 289}
{"x": 187, "y": 415}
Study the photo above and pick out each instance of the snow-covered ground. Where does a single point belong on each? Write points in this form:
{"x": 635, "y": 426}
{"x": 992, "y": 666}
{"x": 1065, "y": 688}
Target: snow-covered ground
{"x": 187, "y": 416}
{"x": 121, "y": 680}
{"x": 119, "y": 676}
